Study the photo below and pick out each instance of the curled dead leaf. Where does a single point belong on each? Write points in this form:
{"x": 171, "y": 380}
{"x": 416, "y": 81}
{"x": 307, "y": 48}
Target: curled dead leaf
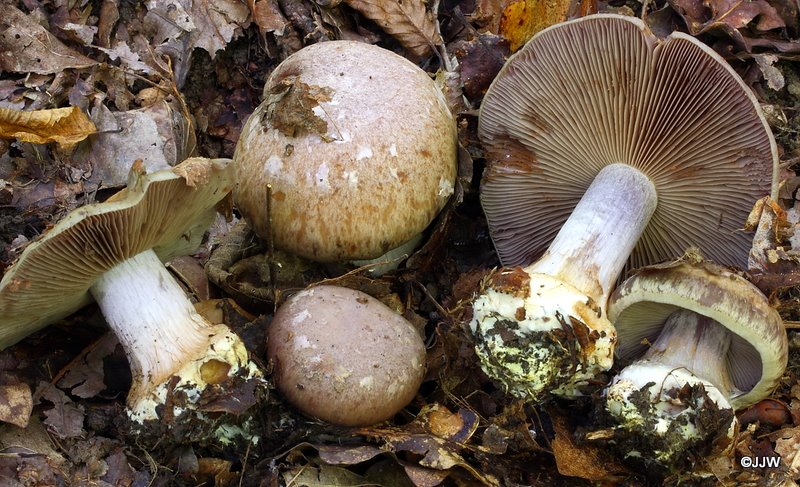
{"x": 64, "y": 126}
{"x": 27, "y": 47}
{"x": 409, "y": 21}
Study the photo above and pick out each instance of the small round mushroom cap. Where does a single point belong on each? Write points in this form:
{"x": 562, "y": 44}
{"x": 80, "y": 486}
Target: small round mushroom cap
{"x": 601, "y": 90}
{"x": 358, "y": 146}
{"x": 167, "y": 211}
{"x": 344, "y": 357}
{"x": 758, "y": 352}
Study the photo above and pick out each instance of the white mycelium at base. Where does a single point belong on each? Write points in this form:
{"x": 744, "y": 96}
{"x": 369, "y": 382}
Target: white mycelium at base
{"x": 511, "y": 334}
{"x": 569, "y": 286}
{"x": 163, "y": 335}
{"x": 645, "y": 397}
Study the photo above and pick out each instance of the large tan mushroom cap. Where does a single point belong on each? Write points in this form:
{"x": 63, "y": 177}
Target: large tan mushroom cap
{"x": 359, "y": 147}
{"x": 167, "y": 211}
{"x": 601, "y": 90}
{"x": 758, "y": 353}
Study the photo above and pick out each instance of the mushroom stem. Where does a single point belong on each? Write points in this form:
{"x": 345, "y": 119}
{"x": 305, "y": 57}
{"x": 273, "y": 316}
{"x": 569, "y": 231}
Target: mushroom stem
{"x": 591, "y": 249}
{"x": 674, "y": 398}
{"x": 162, "y": 333}
{"x": 548, "y": 331}
{"x": 696, "y": 343}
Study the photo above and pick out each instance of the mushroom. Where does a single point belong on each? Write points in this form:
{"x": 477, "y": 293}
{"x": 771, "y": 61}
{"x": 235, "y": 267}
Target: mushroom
{"x": 615, "y": 148}
{"x": 344, "y": 357}
{"x": 112, "y": 253}
{"x": 706, "y": 342}
{"x": 358, "y": 147}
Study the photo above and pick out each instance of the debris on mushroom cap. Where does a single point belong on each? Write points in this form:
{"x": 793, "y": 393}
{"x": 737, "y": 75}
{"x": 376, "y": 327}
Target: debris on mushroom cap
{"x": 112, "y": 252}
{"x": 343, "y": 356}
{"x": 358, "y": 147}
{"x": 603, "y": 89}
{"x": 758, "y": 353}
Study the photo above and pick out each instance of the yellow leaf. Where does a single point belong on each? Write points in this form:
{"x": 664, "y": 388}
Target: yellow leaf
{"x": 524, "y": 18}
{"x": 64, "y": 126}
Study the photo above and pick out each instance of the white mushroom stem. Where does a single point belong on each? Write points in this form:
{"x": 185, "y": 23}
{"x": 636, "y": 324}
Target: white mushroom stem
{"x": 649, "y": 399}
{"x": 591, "y": 249}
{"x": 162, "y": 333}
{"x": 568, "y": 287}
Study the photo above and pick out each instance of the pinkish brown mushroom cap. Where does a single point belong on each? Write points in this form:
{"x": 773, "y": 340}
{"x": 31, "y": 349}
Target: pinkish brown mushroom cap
{"x": 343, "y": 356}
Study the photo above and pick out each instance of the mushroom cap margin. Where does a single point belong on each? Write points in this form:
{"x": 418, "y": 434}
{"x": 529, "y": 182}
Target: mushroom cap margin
{"x": 758, "y": 354}
{"x": 167, "y": 211}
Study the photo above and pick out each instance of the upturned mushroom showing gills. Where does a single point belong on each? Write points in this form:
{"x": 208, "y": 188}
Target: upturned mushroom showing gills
{"x": 705, "y": 343}
{"x": 112, "y": 252}
{"x": 614, "y": 148}
{"x": 344, "y": 357}
{"x": 359, "y": 149}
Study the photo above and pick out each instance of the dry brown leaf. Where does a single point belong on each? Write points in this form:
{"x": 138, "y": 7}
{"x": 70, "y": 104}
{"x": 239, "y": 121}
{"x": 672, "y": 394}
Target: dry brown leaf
{"x": 409, "y": 21}
{"x": 159, "y": 135}
{"x": 267, "y": 16}
{"x": 727, "y": 15}
{"x": 64, "y": 126}
{"x": 488, "y": 13}
{"x": 787, "y": 445}
{"x": 584, "y": 461}
{"x": 65, "y": 418}
{"x": 524, "y": 18}
{"x": 480, "y": 59}
{"x": 85, "y": 378}
{"x": 27, "y": 47}
{"x": 210, "y": 24}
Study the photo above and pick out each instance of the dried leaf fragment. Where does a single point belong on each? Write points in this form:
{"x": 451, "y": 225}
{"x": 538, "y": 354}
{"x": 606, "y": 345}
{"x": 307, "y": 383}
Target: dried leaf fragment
{"x": 16, "y": 404}
{"x": 290, "y": 108}
{"x": 787, "y": 445}
{"x": 27, "y": 47}
{"x": 524, "y": 18}
{"x": 409, "y": 21}
{"x": 584, "y": 461}
{"x": 64, "y": 126}
{"x": 727, "y": 15}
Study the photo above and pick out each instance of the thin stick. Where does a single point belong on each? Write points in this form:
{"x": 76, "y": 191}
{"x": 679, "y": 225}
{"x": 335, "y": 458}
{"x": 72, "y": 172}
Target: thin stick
{"x": 271, "y": 251}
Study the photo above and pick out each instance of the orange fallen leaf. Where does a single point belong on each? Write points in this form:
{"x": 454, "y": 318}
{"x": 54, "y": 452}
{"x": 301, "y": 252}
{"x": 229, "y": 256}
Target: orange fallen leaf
{"x": 64, "y": 126}
{"x": 586, "y": 461}
{"x": 524, "y": 18}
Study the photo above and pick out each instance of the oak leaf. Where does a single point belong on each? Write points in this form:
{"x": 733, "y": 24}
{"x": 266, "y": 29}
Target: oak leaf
{"x": 409, "y": 21}
{"x": 27, "y": 47}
